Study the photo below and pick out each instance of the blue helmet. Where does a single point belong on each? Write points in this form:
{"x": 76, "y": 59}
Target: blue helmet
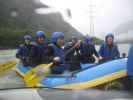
{"x": 56, "y": 35}
{"x": 27, "y": 37}
{"x": 40, "y": 34}
{"x": 88, "y": 39}
{"x": 109, "y": 35}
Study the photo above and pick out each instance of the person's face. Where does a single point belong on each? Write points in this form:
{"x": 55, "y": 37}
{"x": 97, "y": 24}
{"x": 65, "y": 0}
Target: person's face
{"x": 60, "y": 41}
{"x": 27, "y": 41}
{"x": 40, "y": 40}
{"x": 109, "y": 40}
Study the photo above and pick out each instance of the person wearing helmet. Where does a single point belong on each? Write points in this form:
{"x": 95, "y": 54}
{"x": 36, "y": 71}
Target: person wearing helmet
{"x": 40, "y": 52}
{"x": 24, "y": 50}
{"x": 88, "y": 51}
{"x": 109, "y": 50}
{"x": 72, "y": 54}
{"x": 40, "y": 37}
{"x": 57, "y": 44}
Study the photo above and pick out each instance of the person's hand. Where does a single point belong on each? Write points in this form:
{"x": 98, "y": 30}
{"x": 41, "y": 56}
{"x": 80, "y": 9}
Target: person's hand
{"x": 56, "y": 59}
{"x": 100, "y": 58}
{"x": 77, "y": 44}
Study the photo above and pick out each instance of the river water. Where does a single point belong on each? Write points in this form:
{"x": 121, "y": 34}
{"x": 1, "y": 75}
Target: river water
{"x": 10, "y": 80}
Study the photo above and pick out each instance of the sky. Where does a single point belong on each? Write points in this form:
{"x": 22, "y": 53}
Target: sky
{"x": 108, "y": 15}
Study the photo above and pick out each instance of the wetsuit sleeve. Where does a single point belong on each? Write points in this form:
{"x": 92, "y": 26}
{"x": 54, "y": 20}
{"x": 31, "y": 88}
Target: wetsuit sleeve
{"x": 101, "y": 50}
{"x": 19, "y": 52}
{"x": 50, "y": 53}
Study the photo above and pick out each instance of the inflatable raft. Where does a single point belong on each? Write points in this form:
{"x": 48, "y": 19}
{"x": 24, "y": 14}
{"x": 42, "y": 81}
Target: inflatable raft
{"x": 21, "y": 70}
{"x": 88, "y": 77}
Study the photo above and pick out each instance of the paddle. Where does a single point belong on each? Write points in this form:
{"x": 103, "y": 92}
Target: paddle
{"x": 7, "y": 65}
{"x": 33, "y": 76}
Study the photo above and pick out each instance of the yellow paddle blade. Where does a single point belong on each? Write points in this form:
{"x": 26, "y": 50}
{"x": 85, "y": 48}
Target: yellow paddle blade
{"x": 7, "y": 65}
{"x": 31, "y": 78}
{"x": 29, "y": 74}
{"x": 33, "y": 71}
{"x": 32, "y": 81}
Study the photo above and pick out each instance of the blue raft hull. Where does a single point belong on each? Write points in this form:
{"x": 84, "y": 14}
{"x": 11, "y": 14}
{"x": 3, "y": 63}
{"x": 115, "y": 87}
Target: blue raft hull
{"x": 88, "y": 77}
{"x": 22, "y": 70}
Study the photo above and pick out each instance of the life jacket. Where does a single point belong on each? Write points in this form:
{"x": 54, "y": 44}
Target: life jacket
{"x": 58, "y": 52}
{"x": 40, "y": 54}
{"x": 87, "y": 51}
{"x": 24, "y": 52}
{"x": 109, "y": 53}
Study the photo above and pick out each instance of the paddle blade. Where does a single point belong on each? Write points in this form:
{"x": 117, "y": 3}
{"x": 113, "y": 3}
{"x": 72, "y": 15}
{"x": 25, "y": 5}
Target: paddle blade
{"x": 31, "y": 78}
{"x": 7, "y": 66}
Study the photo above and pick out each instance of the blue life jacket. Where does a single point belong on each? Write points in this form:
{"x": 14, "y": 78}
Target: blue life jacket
{"x": 107, "y": 53}
{"x": 130, "y": 62}
{"x": 87, "y": 51}
{"x": 24, "y": 50}
{"x": 58, "y": 52}
{"x": 86, "y": 48}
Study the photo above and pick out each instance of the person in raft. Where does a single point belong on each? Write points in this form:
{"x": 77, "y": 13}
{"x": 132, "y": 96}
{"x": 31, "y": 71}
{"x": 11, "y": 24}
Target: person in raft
{"x": 109, "y": 50}
{"x": 24, "y": 51}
